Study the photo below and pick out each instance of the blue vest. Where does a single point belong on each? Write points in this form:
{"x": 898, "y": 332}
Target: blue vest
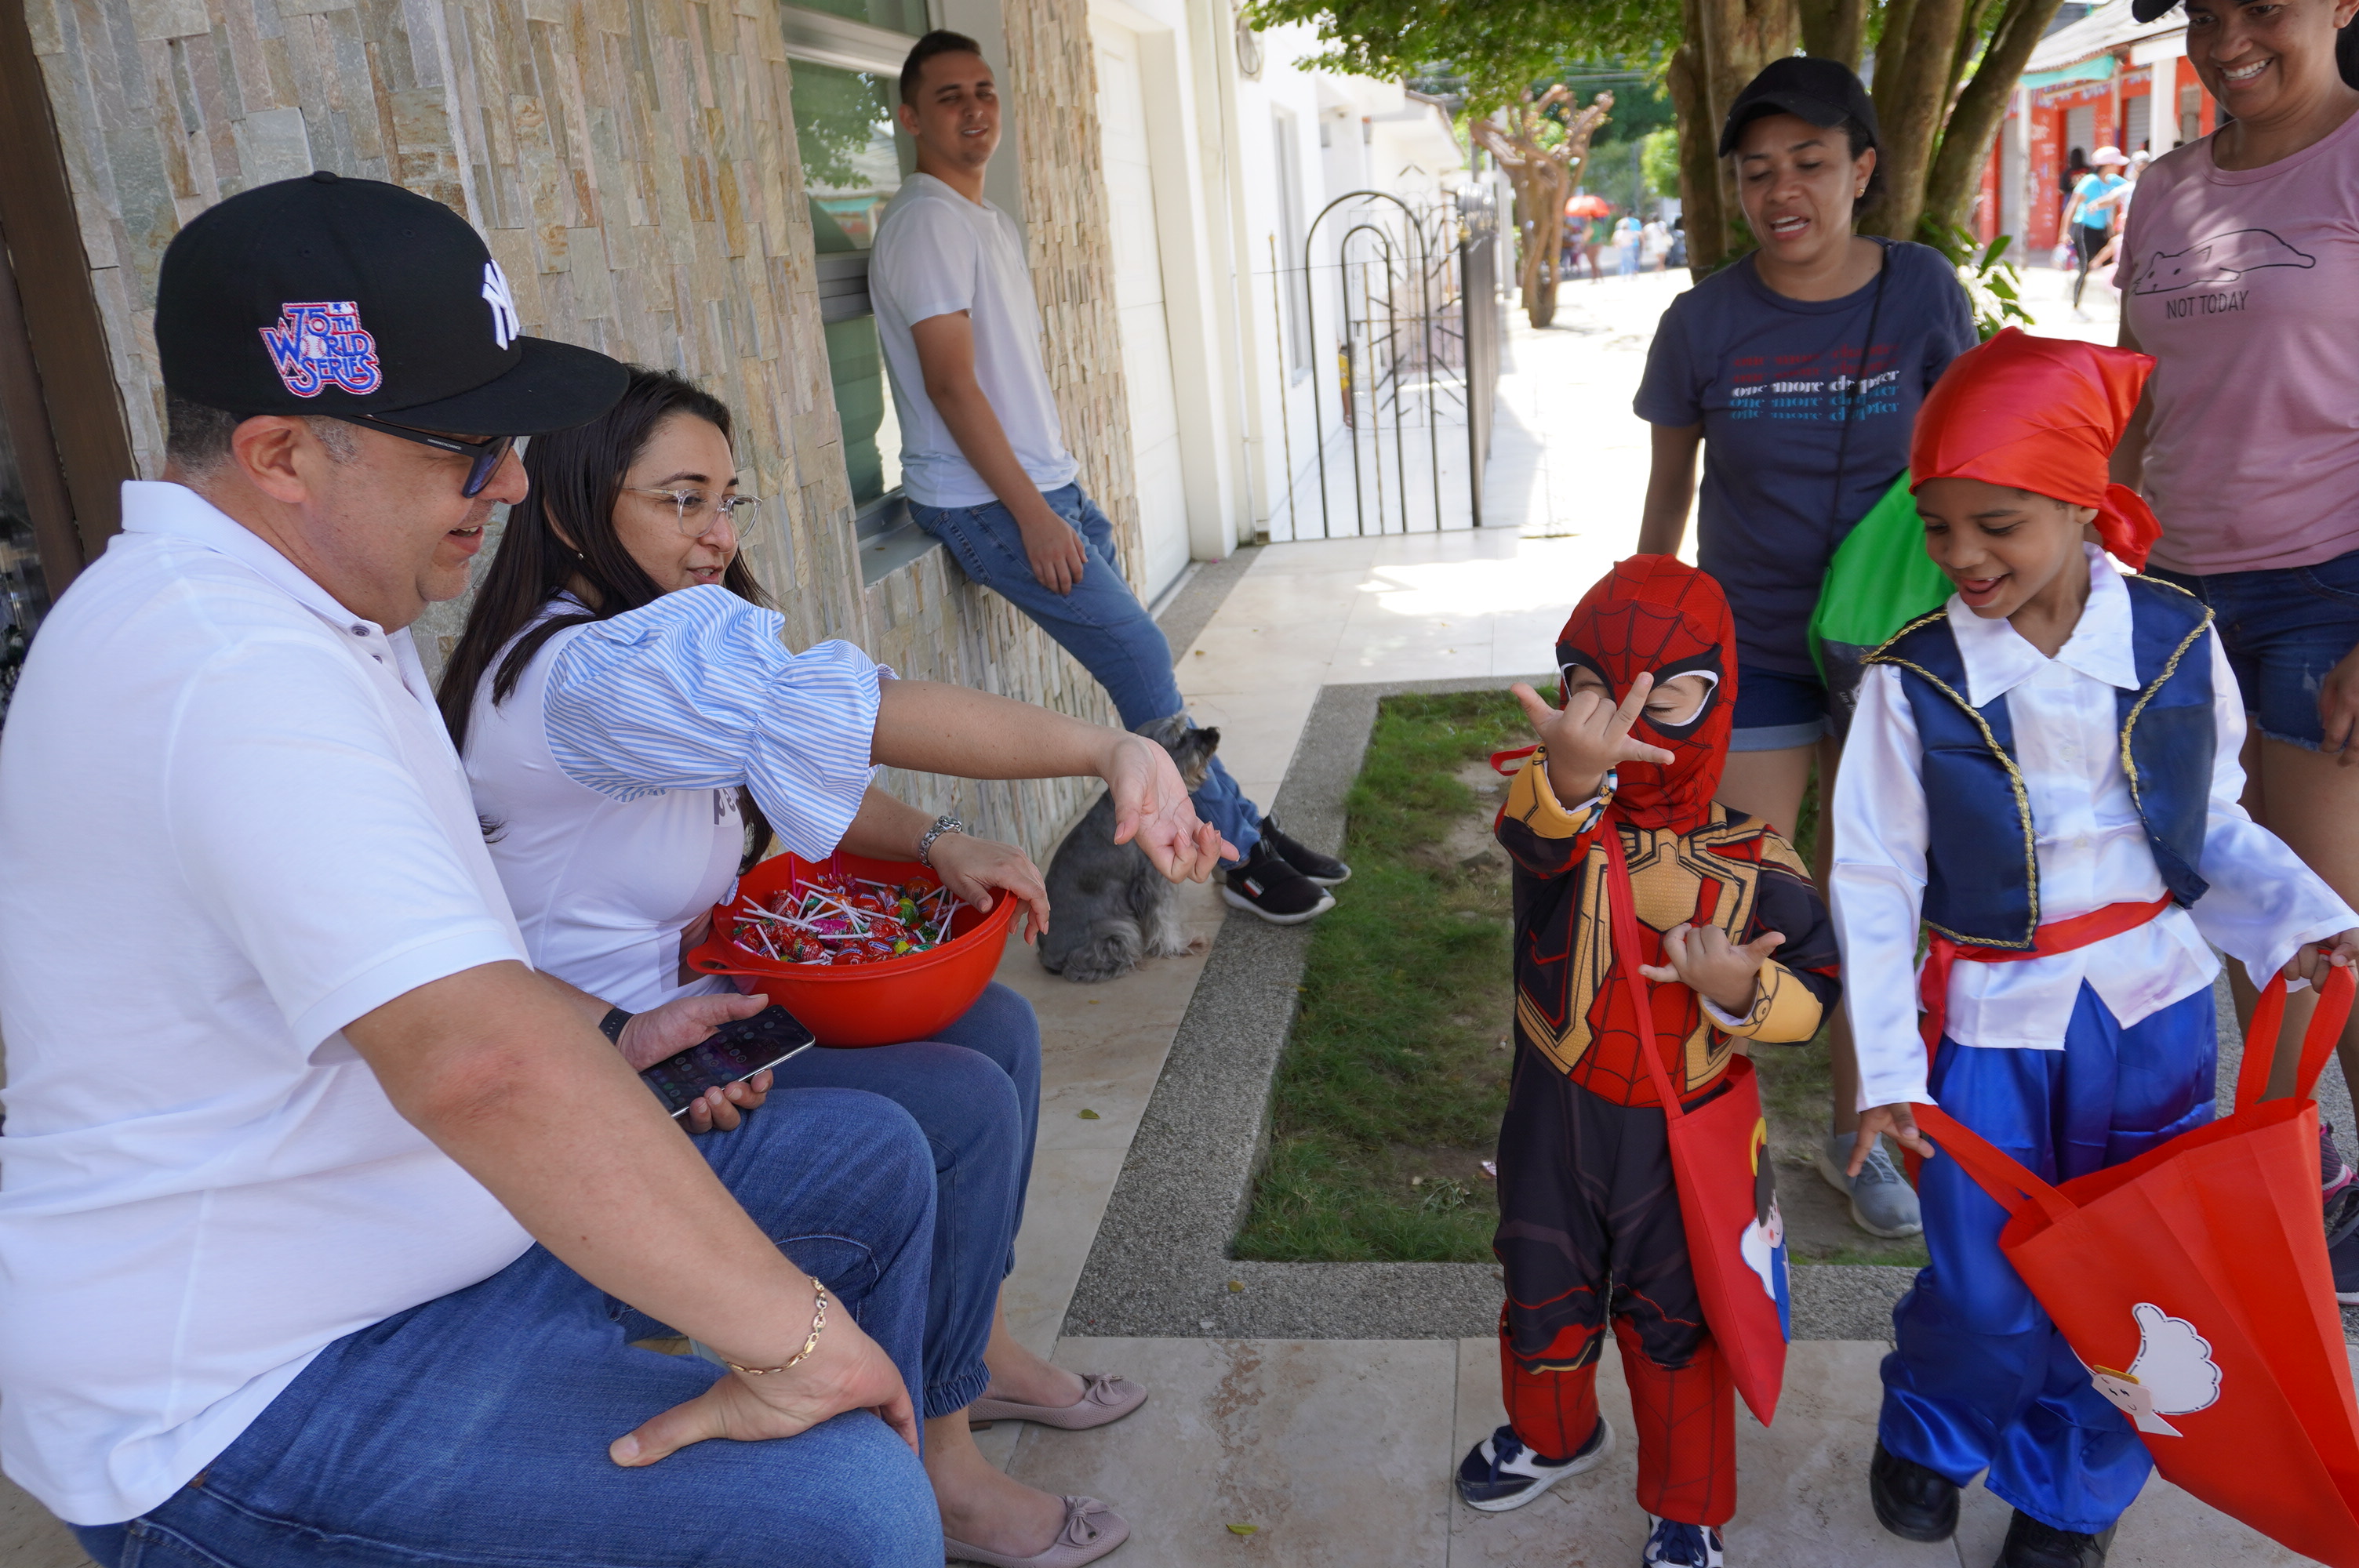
{"x": 1982, "y": 872}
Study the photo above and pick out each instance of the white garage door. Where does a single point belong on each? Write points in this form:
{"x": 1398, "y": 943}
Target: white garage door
{"x": 1138, "y": 297}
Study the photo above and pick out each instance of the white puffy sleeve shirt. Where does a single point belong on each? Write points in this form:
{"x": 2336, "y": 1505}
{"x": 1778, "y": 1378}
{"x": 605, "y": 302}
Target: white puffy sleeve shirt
{"x": 2091, "y": 849}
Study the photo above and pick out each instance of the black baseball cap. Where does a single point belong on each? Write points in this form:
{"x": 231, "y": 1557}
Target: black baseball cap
{"x": 1824, "y": 91}
{"x": 2148, "y": 10}
{"x": 354, "y": 298}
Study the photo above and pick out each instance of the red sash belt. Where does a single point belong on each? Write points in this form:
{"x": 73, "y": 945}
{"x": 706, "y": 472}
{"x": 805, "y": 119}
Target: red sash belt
{"x": 2057, "y": 936}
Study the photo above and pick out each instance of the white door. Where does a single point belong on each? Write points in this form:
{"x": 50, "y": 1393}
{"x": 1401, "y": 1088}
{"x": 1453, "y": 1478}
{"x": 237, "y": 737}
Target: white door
{"x": 1138, "y": 297}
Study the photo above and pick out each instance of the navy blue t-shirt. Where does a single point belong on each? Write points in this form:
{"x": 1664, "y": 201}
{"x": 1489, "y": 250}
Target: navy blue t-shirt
{"x": 1768, "y": 378}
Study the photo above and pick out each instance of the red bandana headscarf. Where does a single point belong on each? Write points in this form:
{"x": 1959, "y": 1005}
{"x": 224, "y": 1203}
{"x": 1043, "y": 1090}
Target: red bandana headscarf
{"x": 1655, "y": 614}
{"x": 2042, "y": 415}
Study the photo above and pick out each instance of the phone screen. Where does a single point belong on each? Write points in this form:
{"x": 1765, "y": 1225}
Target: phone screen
{"x": 734, "y": 1052}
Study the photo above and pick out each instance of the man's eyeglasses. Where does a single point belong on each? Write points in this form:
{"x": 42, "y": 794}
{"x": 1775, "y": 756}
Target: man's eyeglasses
{"x": 697, "y": 510}
{"x": 484, "y": 456}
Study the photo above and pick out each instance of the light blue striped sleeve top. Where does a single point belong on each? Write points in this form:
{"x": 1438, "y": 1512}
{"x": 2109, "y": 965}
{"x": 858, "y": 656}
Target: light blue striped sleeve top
{"x": 696, "y": 691}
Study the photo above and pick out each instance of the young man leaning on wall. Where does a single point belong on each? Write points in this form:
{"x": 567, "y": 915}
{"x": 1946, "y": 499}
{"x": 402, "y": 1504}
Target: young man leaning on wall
{"x": 983, "y": 455}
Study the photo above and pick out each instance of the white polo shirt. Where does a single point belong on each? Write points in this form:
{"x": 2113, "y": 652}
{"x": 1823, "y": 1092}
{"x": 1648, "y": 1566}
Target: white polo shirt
{"x": 938, "y": 254}
{"x": 231, "y": 822}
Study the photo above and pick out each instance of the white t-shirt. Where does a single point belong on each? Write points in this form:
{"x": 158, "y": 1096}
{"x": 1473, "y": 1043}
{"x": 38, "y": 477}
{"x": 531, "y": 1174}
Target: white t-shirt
{"x": 937, "y": 253}
{"x": 231, "y": 822}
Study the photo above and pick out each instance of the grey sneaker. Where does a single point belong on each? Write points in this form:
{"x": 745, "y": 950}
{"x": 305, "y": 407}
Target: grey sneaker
{"x": 1883, "y": 1204}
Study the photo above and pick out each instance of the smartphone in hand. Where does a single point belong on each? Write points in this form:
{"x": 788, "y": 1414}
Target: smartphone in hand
{"x": 733, "y": 1052}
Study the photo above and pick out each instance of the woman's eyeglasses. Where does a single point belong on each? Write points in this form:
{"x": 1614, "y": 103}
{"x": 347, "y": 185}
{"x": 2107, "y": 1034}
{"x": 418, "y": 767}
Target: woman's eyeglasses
{"x": 697, "y": 511}
{"x": 484, "y": 456}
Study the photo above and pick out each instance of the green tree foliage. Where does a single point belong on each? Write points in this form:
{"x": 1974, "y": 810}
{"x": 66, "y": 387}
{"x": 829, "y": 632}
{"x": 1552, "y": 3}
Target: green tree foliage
{"x": 1658, "y": 155}
{"x": 1495, "y": 50}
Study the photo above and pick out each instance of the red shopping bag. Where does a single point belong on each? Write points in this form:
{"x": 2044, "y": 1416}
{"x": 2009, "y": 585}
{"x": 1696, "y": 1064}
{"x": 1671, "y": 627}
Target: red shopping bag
{"x": 1728, "y": 1201}
{"x": 2194, "y": 1283}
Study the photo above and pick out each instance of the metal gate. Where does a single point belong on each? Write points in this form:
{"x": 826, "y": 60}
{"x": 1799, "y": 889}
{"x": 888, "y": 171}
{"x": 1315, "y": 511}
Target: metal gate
{"x": 1387, "y": 324}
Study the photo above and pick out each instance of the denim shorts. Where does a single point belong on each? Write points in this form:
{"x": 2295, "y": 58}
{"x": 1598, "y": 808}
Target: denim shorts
{"x": 1776, "y": 710}
{"x": 2284, "y": 629}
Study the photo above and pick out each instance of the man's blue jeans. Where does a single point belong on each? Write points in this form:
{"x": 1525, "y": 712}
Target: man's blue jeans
{"x": 1101, "y": 622}
{"x": 473, "y": 1429}
{"x": 974, "y": 1089}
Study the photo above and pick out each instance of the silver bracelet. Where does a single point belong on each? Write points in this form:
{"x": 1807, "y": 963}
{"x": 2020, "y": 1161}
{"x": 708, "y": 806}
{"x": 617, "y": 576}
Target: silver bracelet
{"x": 926, "y": 845}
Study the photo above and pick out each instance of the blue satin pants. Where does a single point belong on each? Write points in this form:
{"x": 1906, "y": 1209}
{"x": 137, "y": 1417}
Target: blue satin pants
{"x": 1980, "y": 1378}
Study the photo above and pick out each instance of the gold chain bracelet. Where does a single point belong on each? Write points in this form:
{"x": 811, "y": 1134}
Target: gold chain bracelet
{"x": 818, "y": 1320}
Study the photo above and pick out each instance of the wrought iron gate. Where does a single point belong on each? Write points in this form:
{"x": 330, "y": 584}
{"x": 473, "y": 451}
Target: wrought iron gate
{"x": 1387, "y": 324}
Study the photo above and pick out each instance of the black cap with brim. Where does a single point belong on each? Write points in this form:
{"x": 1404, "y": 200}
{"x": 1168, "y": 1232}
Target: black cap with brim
{"x": 1824, "y": 91}
{"x": 354, "y": 297}
{"x": 2148, "y": 10}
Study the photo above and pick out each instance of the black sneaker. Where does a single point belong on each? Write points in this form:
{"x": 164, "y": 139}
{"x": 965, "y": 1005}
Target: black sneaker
{"x": 1326, "y": 869}
{"x": 1499, "y": 1473}
{"x": 2342, "y": 1243}
{"x": 1274, "y": 889}
{"x": 2031, "y": 1544}
{"x": 1912, "y": 1502}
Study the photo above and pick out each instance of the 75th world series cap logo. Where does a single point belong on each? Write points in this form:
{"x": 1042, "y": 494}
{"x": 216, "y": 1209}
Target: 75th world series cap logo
{"x": 319, "y": 343}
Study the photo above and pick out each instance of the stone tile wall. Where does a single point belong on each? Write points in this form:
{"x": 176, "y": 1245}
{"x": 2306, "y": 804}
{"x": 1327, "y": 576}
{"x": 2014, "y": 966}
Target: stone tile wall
{"x": 633, "y": 165}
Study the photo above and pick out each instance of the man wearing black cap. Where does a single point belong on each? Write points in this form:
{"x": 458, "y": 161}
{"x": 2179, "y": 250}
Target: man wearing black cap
{"x": 288, "y": 1110}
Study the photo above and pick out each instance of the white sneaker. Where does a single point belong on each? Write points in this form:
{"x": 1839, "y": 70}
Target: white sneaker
{"x": 1499, "y": 1473}
{"x": 1883, "y": 1204}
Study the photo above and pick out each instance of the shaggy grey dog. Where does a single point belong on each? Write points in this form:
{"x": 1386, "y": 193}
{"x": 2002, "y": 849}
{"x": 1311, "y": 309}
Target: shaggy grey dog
{"x": 1108, "y": 907}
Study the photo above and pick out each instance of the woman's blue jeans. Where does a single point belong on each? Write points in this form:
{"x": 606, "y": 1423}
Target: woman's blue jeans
{"x": 1101, "y": 622}
{"x": 473, "y": 1429}
{"x": 974, "y": 1089}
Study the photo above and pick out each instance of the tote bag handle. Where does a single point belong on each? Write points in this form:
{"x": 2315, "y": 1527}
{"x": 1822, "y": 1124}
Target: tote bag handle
{"x": 1622, "y": 903}
{"x": 2317, "y": 1042}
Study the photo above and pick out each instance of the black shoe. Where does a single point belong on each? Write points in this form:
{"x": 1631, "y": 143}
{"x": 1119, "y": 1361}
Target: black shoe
{"x": 1912, "y": 1502}
{"x": 1326, "y": 869}
{"x": 1499, "y": 1473}
{"x": 2031, "y": 1544}
{"x": 1266, "y": 885}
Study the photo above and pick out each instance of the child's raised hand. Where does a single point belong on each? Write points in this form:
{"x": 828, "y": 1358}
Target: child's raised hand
{"x": 1587, "y": 735}
{"x": 1710, "y": 963}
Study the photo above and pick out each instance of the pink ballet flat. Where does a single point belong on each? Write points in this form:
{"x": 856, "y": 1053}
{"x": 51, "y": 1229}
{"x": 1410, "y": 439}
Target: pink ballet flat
{"x": 1092, "y": 1529}
{"x": 1104, "y": 1399}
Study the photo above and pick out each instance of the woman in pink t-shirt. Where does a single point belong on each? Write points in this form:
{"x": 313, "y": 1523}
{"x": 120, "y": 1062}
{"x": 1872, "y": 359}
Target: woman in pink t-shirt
{"x": 2240, "y": 274}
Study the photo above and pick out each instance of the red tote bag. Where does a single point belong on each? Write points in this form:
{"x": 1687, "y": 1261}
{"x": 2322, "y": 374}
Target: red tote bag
{"x": 1720, "y": 1162}
{"x": 2194, "y": 1283}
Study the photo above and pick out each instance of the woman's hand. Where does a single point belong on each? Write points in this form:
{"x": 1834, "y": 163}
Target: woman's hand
{"x": 722, "y": 1108}
{"x": 2338, "y": 710}
{"x": 972, "y": 867}
{"x": 1587, "y": 735}
{"x": 845, "y": 1371}
{"x": 1151, "y": 804}
{"x": 1711, "y": 966}
{"x": 665, "y": 1032}
{"x": 2313, "y": 960}
{"x": 1901, "y": 1121}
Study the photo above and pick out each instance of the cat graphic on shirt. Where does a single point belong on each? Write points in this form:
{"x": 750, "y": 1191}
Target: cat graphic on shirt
{"x": 2223, "y": 258}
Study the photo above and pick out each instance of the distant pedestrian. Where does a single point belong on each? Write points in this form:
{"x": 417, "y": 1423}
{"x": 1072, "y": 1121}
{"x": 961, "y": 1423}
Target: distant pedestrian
{"x": 2090, "y": 219}
{"x": 1625, "y": 244}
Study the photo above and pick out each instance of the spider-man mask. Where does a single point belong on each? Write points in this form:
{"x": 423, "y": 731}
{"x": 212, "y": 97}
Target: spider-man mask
{"x": 1655, "y": 614}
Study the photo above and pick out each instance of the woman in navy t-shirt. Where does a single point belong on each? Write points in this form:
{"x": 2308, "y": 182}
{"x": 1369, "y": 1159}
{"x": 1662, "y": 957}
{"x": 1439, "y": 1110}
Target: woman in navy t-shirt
{"x": 1798, "y": 368}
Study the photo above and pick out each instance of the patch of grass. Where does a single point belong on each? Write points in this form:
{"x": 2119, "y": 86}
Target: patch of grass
{"x": 1391, "y": 1089}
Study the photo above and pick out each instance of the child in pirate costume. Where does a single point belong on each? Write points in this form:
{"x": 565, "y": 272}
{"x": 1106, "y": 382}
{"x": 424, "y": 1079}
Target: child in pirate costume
{"x": 2045, "y": 773}
{"x": 1740, "y": 947}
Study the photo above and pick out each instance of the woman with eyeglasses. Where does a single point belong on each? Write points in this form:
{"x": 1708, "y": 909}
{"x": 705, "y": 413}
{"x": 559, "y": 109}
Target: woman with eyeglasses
{"x": 628, "y": 712}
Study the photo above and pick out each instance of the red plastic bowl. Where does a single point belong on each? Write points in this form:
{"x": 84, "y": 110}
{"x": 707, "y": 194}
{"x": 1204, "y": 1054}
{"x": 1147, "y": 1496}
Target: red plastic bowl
{"x": 883, "y": 1003}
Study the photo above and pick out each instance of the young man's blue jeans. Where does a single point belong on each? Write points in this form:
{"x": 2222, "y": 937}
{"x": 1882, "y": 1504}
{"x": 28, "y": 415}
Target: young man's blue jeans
{"x": 472, "y": 1430}
{"x": 1101, "y": 622}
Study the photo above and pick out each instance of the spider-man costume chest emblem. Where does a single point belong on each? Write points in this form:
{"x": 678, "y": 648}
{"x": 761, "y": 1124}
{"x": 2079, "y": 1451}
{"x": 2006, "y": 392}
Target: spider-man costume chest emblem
{"x": 1566, "y": 1007}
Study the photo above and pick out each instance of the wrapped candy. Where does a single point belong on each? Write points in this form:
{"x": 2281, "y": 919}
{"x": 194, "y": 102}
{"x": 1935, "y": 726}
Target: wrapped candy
{"x": 834, "y": 919}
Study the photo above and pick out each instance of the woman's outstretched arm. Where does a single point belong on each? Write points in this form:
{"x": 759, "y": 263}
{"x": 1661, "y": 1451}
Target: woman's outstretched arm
{"x": 933, "y": 728}
{"x": 1671, "y": 490}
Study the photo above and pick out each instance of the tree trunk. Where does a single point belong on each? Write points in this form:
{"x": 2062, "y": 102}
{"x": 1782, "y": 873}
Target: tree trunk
{"x": 1731, "y": 40}
{"x": 1834, "y": 30}
{"x": 1914, "y": 83}
{"x": 1957, "y": 168}
{"x": 1543, "y": 176}
{"x": 1700, "y": 186}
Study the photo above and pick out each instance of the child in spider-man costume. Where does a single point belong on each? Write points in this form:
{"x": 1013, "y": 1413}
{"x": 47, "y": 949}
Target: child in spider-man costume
{"x": 1740, "y": 947}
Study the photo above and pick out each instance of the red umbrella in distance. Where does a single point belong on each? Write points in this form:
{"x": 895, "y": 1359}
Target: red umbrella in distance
{"x": 1588, "y": 207}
